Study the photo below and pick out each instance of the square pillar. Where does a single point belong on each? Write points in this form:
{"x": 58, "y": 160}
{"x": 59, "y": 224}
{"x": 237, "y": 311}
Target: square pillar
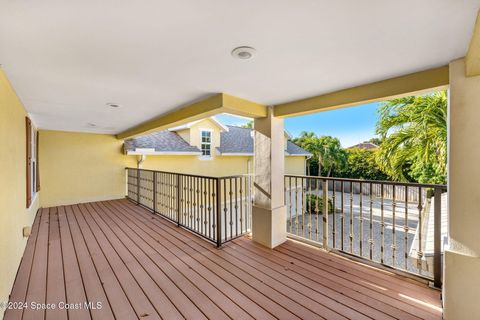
{"x": 269, "y": 224}
{"x": 461, "y": 283}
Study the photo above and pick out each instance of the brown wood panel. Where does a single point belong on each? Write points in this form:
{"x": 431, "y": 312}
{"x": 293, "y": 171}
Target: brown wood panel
{"x": 290, "y": 298}
{"x": 37, "y": 285}
{"x": 74, "y": 287}
{"x": 55, "y": 293}
{"x": 111, "y": 268}
{"x": 184, "y": 292}
{"x": 97, "y": 288}
{"x": 140, "y": 265}
{"x": 195, "y": 270}
{"x": 369, "y": 286}
{"x": 20, "y": 287}
{"x": 119, "y": 243}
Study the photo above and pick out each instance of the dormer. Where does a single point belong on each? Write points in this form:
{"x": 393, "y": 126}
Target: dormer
{"x": 203, "y": 134}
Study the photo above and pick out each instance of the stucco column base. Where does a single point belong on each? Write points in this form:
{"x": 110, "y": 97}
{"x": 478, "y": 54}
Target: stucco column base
{"x": 462, "y": 283}
{"x": 269, "y": 226}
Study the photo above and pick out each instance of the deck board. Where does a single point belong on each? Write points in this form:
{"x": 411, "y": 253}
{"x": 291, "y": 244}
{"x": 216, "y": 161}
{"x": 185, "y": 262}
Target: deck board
{"x": 141, "y": 266}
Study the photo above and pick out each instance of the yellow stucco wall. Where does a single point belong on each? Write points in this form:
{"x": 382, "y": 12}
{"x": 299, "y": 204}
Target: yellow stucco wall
{"x": 295, "y": 165}
{"x": 216, "y": 167}
{"x": 13, "y": 214}
{"x": 81, "y": 167}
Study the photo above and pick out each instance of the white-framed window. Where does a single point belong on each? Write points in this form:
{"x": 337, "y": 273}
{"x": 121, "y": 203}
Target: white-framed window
{"x": 206, "y": 143}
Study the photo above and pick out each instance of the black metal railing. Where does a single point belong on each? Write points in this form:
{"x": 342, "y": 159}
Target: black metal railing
{"x": 394, "y": 224}
{"x": 218, "y": 209}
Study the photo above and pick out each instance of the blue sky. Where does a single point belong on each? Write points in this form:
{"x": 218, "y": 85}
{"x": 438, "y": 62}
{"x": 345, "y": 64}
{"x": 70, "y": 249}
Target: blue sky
{"x": 351, "y": 125}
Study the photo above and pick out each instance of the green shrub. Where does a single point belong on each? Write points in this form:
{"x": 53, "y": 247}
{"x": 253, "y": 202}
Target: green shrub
{"x": 314, "y": 203}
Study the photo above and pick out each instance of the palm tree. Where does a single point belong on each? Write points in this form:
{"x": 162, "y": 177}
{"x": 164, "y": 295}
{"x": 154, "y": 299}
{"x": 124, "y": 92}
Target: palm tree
{"x": 414, "y": 138}
{"x": 332, "y": 155}
{"x": 326, "y": 151}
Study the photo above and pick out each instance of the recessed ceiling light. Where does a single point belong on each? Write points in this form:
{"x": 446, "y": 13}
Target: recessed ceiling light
{"x": 243, "y": 53}
{"x": 113, "y": 105}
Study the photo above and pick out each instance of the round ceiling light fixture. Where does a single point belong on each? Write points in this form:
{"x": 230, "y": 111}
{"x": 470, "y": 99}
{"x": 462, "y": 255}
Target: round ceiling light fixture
{"x": 113, "y": 105}
{"x": 244, "y": 53}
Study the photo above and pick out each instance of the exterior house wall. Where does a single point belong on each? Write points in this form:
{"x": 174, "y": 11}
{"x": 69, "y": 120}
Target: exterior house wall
{"x": 216, "y": 167}
{"x": 462, "y": 258}
{"x": 185, "y": 134}
{"x": 13, "y": 213}
{"x": 81, "y": 167}
{"x": 295, "y": 165}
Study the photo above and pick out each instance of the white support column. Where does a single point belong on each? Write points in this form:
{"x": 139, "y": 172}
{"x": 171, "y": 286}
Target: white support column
{"x": 269, "y": 213}
{"x": 462, "y": 259}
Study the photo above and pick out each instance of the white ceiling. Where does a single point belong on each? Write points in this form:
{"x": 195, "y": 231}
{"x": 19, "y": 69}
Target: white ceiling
{"x": 67, "y": 59}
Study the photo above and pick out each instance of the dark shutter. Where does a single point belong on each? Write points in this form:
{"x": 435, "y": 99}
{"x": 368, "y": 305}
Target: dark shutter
{"x": 37, "y": 169}
{"x": 28, "y": 128}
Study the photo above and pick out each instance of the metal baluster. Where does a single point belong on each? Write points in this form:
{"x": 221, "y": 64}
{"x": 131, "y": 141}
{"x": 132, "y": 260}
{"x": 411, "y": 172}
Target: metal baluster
{"x": 325, "y": 214}
{"x": 236, "y": 206}
{"x": 290, "y": 202}
{"x": 420, "y": 229}
{"x": 179, "y": 197}
{"x": 204, "y": 214}
{"x": 351, "y": 217}
{"x": 218, "y": 223}
{"x": 334, "y": 222}
{"x": 394, "y": 239}
{"x": 382, "y": 224}
{"x": 296, "y": 206}
{"x": 247, "y": 200}
{"x": 361, "y": 219}
{"x": 231, "y": 206}
{"x": 317, "y": 209}
{"x": 138, "y": 186}
{"x": 309, "y": 203}
{"x": 224, "y": 181}
{"x": 304, "y": 205}
{"x": 241, "y": 204}
{"x": 405, "y": 228}
{"x": 370, "y": 240}
{"x": 437, "y": 241}
{"x": 343, "y": 215}
{"x": 190, "y": 213}
{"x": 154, "y": 192}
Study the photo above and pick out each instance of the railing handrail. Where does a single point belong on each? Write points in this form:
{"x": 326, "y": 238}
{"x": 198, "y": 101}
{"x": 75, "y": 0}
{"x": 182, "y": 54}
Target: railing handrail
{"x": 190, "y": 175}
{"x": 396, "y": 183}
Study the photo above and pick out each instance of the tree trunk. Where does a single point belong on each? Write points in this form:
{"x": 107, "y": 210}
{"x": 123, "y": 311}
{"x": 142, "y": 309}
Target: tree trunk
{"x": 330, "y": 171}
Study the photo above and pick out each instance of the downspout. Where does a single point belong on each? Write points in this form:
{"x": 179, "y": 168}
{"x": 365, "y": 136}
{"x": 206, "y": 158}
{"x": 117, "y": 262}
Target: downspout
{"x": 140, "y": 160}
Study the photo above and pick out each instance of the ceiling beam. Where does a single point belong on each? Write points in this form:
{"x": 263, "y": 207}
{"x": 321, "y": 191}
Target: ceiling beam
{"x": 216, "y": 104}
{"x": 414, "y": 83}
{"x": 472, "y": 59}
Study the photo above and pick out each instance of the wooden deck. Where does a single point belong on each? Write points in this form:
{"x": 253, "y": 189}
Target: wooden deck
{"x": 129, "y": 264}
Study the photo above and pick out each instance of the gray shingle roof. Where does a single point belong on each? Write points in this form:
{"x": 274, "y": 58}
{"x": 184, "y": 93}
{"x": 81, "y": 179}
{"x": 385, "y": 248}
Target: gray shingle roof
{"x": 234, "y": 141}
{"x": 293, "y": 149}
{"x": 162, "y": 141}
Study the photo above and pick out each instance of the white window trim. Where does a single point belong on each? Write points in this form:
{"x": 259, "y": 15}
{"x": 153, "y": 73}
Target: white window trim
{"x": 205, "y": 157}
